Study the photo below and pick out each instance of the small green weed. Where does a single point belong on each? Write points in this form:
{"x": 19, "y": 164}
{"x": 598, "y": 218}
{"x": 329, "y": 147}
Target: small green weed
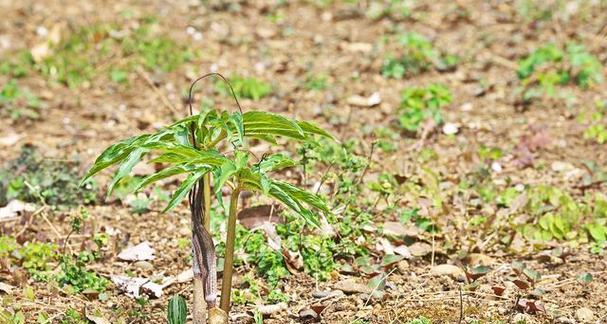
{"x": 32, "y": 178}
{"x": 19, "y": 103}
{"x": 316, "y": 82}
{"x": 550, "y": 66}
{"x": 419, "y": 104}
{"x": 74, "y": 273}
{"x": 419, "y": 55}
{"x": 245, "y": 87}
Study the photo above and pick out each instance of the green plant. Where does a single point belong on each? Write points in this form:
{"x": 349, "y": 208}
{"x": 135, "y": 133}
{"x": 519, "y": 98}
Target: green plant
{"x": 419, "y": 104}
{"x": 595, "y": 122}
{"x": 74, "y": 273}
{"x": 418, "y": 55}
{"x": 35, "y": 256}
{"x": 19, "y": 102}
{"x": 190, "y": 147}
{"x": 316, "y": 82}
{"x": 83, "y": 54}
{"x": 72, "y": 316}
{"x": 177, "y": 310}
{"x": 245, "y": 87}
{"x": 550, "y": 66}
{"x": 32, "y": 178}
{"x": 420, "y": 320}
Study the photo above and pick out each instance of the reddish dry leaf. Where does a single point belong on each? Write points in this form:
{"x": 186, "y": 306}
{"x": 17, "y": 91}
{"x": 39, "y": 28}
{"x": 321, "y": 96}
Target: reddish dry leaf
{"x": 530, "y": 306}
{"x": 521, "y": 284}
{"x": 498, "y": 290}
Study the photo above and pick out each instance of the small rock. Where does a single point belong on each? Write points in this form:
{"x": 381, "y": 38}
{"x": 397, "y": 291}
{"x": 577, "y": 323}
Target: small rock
{"x": 520, "y": 318}
{"x": 450, "y": 129}
{"x": 584, "y": 315}
{"x": 321, "y": 294}
{"x": 560, "y": 166}
{"x": 419, "y": 249}
{"x": 308, "y": 314}
{"x": 447, "y": 270}
{"x": 271, "y": 309}
{"x": 10, "y": 139}
{"x": 404, "y": 251}
{"x": 565, "y": 320}
{"x": 370, "y": 101}
{"x": 496, "y": 167}
{"x": 143, "y": 265}
{"x": 351, "y": 286}
{"x": 402, "y": 266}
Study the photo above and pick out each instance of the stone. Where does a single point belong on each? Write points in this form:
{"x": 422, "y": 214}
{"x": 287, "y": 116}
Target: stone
{"x": 584, "y": 315}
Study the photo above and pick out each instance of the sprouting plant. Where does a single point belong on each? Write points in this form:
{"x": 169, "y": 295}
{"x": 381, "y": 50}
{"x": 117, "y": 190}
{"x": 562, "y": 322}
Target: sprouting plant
{"x": 550, "y": 66}
{"x": 192, "y": 147}
{"x": 419, "y": 104}
{"x": 418, "y": 55}
{"x": 18, "y": 102}
{"x": 245, "y": 87}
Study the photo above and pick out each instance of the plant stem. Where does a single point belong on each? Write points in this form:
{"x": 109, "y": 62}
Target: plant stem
{"x": 220, "y": 137}
{"x": 206, "y": 215}
{"x": 199, "y": 313}
{"x": 226, "y": 285}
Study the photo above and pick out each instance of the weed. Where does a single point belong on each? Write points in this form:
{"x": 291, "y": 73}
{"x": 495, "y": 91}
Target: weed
{"x": 72, "y": 316}
{"x": 32, "y": 178}
{"x": 316, "y": 82}
{"x": 419, "y": 104}
{"x": 35, "y": 256}
{"x": 82, "y": 55}
{"x": 419, "y": 55}
{"x": 550, "y": 66}
{"x": 594, "y": 120}
{"x": 19, "y": 103}
{"x": 245, "y": 87}
{"x": 74, "y": 273}
{"x": 420, "y": 320}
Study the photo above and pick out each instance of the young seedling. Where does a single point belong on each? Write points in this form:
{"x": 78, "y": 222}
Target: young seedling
{"x": 194, "y": 147}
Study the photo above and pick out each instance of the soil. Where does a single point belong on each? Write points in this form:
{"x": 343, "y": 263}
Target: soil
{"x": 77, "y": 123}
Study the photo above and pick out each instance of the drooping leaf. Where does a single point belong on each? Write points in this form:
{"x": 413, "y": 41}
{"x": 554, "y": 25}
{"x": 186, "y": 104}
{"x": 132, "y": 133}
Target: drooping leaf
{"x": 126, "y": 167}
{"x": 184, "y": 188}
{"x": 258, "y": 123}
{"x": 169, "y": 172}
{"x": 302, "y": 195}
{"x": 113, "y": 154}
{"x": 310, "y": 128}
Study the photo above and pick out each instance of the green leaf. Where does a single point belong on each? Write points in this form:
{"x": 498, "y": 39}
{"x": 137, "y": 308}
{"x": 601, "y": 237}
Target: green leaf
{"x": 275, "y": 162}
{"x": 126, "y": 167}
{"x": 310, "y": 128}
{"x": 169, "y": 172}
{"x": 282, "y": 196}
{"x": 585, "y": 278}
{"x": 302, "y": 195}
{"x": 184, "y": 188}
{"x": 112, "y": 155}
{"x": 236, "y": 120}
{"x": 258, "y": 123}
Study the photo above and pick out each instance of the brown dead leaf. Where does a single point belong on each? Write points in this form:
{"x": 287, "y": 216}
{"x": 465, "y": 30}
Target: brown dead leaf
{"x": 254, "y": 217}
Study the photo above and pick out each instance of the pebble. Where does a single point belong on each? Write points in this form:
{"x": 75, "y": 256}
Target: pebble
{"x": 450, "y": 129}
{"x": 321, "y": 294}
{"x": 584, "y": 315}
{"x": 351, "y": 286}
{"x": 447, "y": 270}
{"x": 143, "y": 265}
